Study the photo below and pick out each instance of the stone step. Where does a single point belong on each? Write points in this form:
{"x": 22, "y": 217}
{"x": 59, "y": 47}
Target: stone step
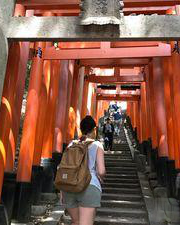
{"x": 117, "y": 153}
{"x": 123, "y": 197}
{"x": 119, "y": 160}
{"x": 125, "y": 146}
{"x": 126, "y": 176}
{"x": 122, "y": 204}
{"x": 121, "y": 164}
{"x": 118, "y": 157}
{"x": 120, "y": 168}
{"x": 120, "y": 171}
{"x": 119, "y": 212}
{"x": 121, "y": 180}
{"x": 120, "y": 185}
{"x": 121, "y": 190}
{"x": 123, "y": 151}
{"x": 109, "y": 220}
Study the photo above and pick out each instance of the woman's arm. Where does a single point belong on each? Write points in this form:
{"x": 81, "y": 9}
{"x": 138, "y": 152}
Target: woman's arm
{"x": 100, "y": 166}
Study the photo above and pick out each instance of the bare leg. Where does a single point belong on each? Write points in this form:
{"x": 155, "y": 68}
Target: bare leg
{"x": 86, "y": 216}
{"x": 74, "y": 214}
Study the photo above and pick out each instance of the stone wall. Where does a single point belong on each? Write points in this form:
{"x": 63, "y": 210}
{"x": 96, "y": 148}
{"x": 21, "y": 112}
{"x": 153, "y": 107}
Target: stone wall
{"x": 6, "y": 10}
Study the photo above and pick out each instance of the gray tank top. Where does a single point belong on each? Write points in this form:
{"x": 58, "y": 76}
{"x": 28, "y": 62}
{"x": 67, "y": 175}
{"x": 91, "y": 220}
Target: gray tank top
{"x": 92, "y": 152}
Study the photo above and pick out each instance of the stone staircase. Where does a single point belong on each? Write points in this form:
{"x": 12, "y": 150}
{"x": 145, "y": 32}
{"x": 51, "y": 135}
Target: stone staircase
{"x": 122, "y": 199}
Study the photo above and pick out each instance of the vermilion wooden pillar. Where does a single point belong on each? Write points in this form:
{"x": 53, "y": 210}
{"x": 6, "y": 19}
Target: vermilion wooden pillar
{"x": 44, "y": 94}
{"x": 7, "y": 103}
{"x": 61, "y": 107}
{"x": 42, "y": 128}
{"x": 15, "y": 103}
{"x": 176, "y": 94}
{"x": 7, "y": 158}
{"x": 145, "y": 128}
{"x": 175, "y": 81}
{"x": 128, "y": 108}
{"x": 135, "y": 114}
{"x": 149, "y": 109}
{"x": 154, "y": 135}
{"x": 18, "y": 96}
{"x": 158, "y": 84}
{"x": 100, "y": 111}
{"x": 23, "y": 191}
{"x": 80, "y": 99}
{"x": 130, "y": 111}
{"x": 85, "y": 95}
{"x": 71, "y": 131}
{"x": 105, "y": 105}
{"x": 168, "y": 104}
{"x": 30, "y": 122}
{"x": 51, "y": 109}
{"x": 137, "y": 119}
{"x": 93, "y": 102}
{"x": 140, "y": 123}
{"x": 68, "y": 109}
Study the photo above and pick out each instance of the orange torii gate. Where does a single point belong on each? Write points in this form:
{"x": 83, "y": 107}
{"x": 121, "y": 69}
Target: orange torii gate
{"x": 120, "y": 97}
{"x": 114, "y": 54}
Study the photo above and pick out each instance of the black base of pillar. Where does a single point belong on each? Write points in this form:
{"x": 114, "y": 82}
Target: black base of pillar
{"x": 162, "y": 171}
{"x": 23, "y": 202}
{"x": 48, "y": 175}
{"x": 154, "y": 159}
{"x": 3, "y": 216}
{"x": 8, "y": 192}
{"x": 64, "y": 146}
{"x": 177, "y": 193}
{"x": 143, "y": 147}
{"x": 56, "y": 156}
{"x": 37, "y": 181}
{"x": 171, "y": 178}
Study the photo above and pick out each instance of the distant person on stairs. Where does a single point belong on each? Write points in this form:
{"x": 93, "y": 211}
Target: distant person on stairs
{"x": 108, "y": 131}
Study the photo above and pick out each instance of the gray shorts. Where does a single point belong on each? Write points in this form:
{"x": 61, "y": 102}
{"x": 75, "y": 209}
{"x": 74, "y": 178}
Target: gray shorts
{"x": 90, "y": 198}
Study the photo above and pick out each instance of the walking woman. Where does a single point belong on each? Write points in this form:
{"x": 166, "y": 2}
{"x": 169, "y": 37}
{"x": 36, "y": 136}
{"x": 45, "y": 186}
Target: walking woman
{"x": 82, "y": 206}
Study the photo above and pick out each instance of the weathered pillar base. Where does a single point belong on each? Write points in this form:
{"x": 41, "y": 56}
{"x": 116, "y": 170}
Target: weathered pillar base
{"x": 171, "y": 178}
{"x": 37, "y": 181}
{"x": 162, "y": 170}
{"x": 154, "y": 159}
{"x": 3, "y": 215}
{"x": 177, "y": 194}
{"x": 48, "y": 175}
{"x": 8, "y": 192}
{"x": 56, "y": 156}
{"x": 23, "y": 202}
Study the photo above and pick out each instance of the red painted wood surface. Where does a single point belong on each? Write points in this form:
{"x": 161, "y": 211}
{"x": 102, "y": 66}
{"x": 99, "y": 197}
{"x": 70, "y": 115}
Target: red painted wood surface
{"x": 160, "y": 111}
{"x": 168, "y": 104}
{"x": 30, "y": 122}
{"x": 43, "y": 104}
{"x": 106, "y": 53}
{"x": 49, "y": 127}
{"x": 61, "y": 107}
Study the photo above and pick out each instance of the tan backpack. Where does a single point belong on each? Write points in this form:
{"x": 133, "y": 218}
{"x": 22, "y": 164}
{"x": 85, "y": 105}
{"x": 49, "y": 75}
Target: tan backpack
{"x": 73, "y": 173}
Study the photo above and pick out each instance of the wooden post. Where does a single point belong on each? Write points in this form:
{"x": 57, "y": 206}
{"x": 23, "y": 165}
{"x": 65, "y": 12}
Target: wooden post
{"x": 158, "y": 84}
{"x": 61, "y": 108}
{"x": 30, "y": 122}
{"x": 85, "y": 94}
{"x": 71, "y": 131}
{"x": 176, "y": 94}
{"x": 68, "y": 109}
{"x": 168, "y": 104}
{"x": 51, "y": 109}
